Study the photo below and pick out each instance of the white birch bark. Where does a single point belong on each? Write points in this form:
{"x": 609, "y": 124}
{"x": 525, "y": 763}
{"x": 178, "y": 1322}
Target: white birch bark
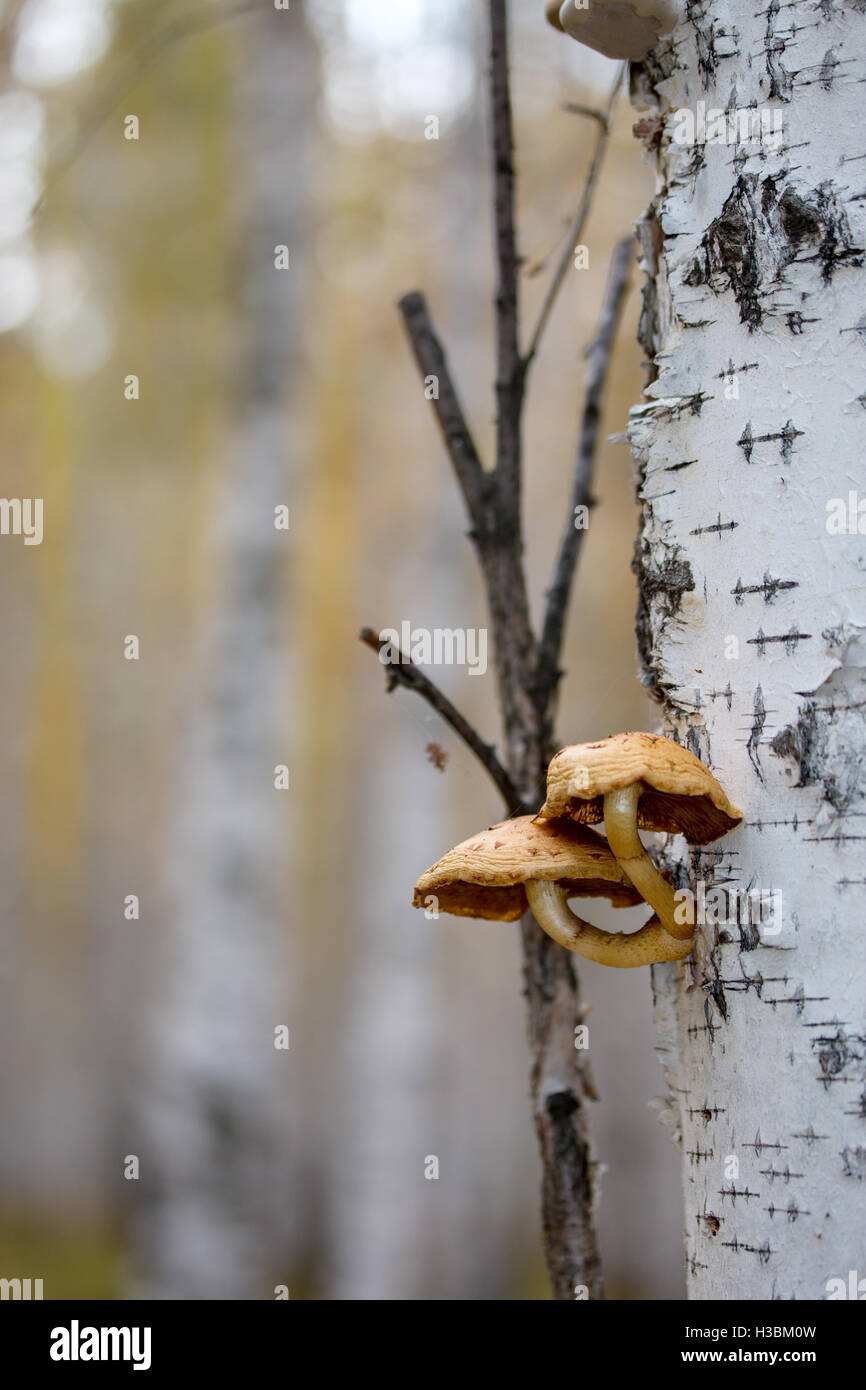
{"x": 751, "y": 622}
{"x": 215, "y": 1150}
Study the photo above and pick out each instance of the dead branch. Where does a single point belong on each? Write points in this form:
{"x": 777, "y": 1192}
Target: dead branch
{"x": 509, "y": 363}
{"x": 432, "y": 362}
{"x": 581, "y": 215}
{"x": 561, "y": 1084}
{"x": 600, "y": 355}
{"x": 406, "y": 673}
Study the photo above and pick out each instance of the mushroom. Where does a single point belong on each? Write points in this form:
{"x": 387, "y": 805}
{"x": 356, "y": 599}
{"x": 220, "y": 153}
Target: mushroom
{"x": 540, "y": 864}
{"x": 551, "y": 9}
{"x": 640, "y": 780}
{"x": 616, "y": 28}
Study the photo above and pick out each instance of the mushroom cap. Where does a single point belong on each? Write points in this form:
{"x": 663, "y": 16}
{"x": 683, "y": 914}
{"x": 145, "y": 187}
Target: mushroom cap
{"x": 681, "y": 796}
{"x": 484, "y": 876}
{"x": 551, "y": 10}
{"x": 619, "y": 28}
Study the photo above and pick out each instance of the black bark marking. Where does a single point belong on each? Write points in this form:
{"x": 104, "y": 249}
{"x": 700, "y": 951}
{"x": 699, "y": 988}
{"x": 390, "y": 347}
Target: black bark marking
{"x": 651, "y": 241}
{"x": 716, "y": 991}
{"x": 759, "y": 719}
{"x": 836, "y": 246}
{"x": 809, "y": 1138}
{"x": 759, "y": 1145}
{"x": 790, "y": 1212}
{"x": 854, "y": 1163}
{"x": 784, "y": 1173}
{"x": 717, "y": 527}
{"x": 762, "y": 640}
{"x": 705, "y": 40}
{"x": 727, "y": 695}
{"x": 733, "y": 1193}
{"x": 763, "y": 1252}
{"x": 693, "y": 742}
{"x": 731, "y": 370}
{"x": 699, "y": 1155}
{"x": 769, "y": 588}
{"x": 799, "y": 220}
{"x": 833, "y": 1053}
{"x": 731, "y": 250}
{"x": 760, "y": 231}
{"x": 747, "y": 982}
{"x": 750, "y": 935}
{"x": 661, "y": 589}
{"x": 707, "y": 1112}
{"x": 828, "y": 70}
{"x": 786, "y": 436}
{"x": 781, "y": 80}
{"x": 819, "y": 744}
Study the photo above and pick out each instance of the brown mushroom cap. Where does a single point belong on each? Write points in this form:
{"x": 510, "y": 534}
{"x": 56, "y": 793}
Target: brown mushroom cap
{"x": 484, "y": 876}
{"x": 681, "y": 797}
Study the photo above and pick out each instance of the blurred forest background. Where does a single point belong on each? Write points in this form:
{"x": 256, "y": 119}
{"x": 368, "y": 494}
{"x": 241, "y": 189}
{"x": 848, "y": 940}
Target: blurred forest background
{"x": 153, "y": 1037}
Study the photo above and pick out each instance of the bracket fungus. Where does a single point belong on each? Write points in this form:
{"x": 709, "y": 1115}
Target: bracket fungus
{"x": 551, "y": 9}
{"x": 633, "y": 781}
{"x": 528, "y": 863}
{"x": 616, "y": 28}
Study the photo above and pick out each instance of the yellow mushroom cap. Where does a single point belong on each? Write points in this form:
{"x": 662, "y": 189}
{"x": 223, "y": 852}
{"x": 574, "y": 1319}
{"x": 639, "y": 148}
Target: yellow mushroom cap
{"x": 681, "y": 796}
{"x": 484, "y": 876}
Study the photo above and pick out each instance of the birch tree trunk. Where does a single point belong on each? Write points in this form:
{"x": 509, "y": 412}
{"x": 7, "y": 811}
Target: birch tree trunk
{"x": 750, "y": 624}
{"x": 215, "y": 1151}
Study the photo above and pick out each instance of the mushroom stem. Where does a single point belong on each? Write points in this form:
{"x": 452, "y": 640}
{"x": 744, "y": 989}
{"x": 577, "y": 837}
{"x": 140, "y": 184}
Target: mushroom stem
{"x": 651, "y": 943}
{"x": 620, "y": 823}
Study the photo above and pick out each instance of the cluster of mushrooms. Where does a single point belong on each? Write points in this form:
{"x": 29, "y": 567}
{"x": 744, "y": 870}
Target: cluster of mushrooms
{"x": 630, "y": 781}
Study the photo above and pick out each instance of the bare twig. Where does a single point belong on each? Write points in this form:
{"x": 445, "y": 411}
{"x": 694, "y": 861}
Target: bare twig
{"x": 408, "y": 674}
{"x": 509, "y": 364}
{"x": 580, "y": 218}
{"x": 431, "y": 360}
{"x": 572, "y": 537}
{"x": 574, "y": 108}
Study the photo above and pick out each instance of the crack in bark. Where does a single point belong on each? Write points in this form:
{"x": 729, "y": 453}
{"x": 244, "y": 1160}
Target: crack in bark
{"x": 662, "y": 586}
